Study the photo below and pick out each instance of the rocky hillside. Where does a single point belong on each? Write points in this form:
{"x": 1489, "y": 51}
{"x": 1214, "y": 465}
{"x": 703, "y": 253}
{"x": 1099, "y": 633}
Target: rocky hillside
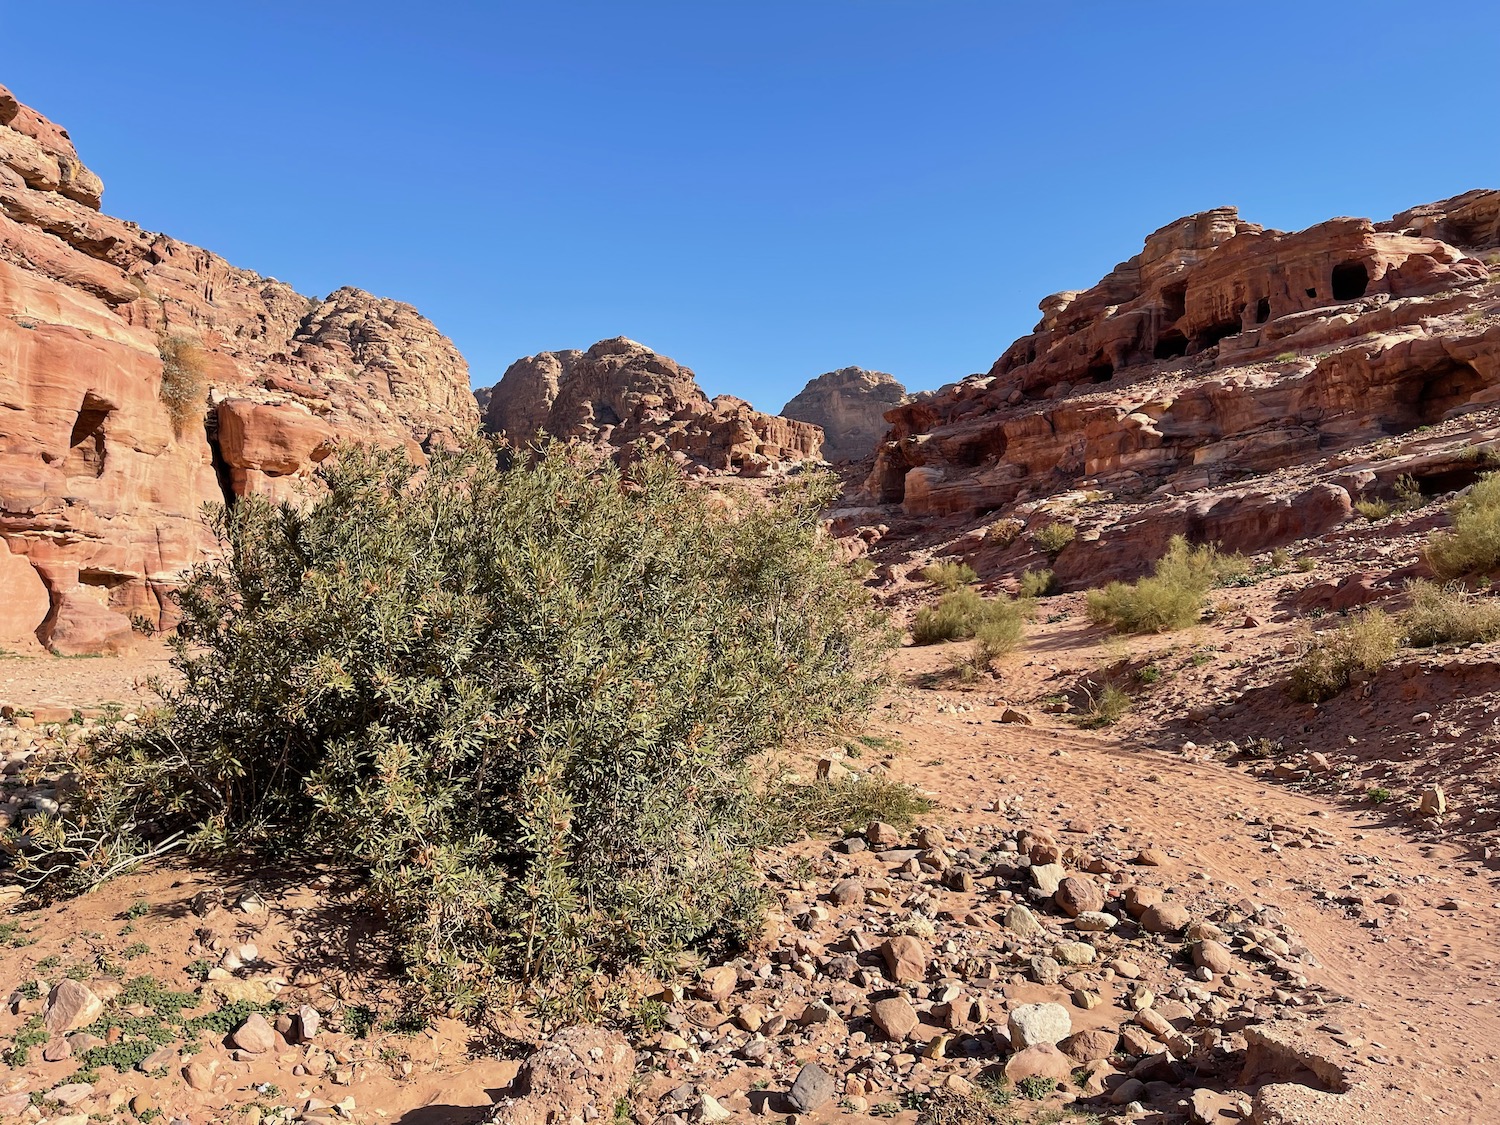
{"x": 141, "y": 377}
{"x": 850, "y": 405}
{"x": 1229, "y": 382}
{"x": 619, "y": 393}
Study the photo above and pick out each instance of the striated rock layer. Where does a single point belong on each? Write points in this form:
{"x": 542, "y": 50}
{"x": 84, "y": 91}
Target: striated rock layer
{"x": 101, "y": 481}
{"x": 1218, "y": 384}
{"x": 849, "y": 405}
{"x": 620, "y": 396}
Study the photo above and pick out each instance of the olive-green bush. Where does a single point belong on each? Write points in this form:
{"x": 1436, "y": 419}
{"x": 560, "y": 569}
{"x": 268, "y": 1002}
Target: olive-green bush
{"x": 1172, "y": 597}
{"x": 1473, "y": 545}
{"x": 520, "y": 695}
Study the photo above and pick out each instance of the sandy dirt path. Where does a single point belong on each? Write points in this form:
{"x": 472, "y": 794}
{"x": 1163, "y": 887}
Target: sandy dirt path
{"x": 1423, "y": 974}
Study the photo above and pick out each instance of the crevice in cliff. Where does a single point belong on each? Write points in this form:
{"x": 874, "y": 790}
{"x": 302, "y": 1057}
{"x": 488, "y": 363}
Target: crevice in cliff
{"x": 86, "y": 447}
{"x": 216, "y": 455}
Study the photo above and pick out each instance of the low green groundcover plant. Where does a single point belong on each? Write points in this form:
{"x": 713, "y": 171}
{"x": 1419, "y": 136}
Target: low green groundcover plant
{"x": 522, "y": 694}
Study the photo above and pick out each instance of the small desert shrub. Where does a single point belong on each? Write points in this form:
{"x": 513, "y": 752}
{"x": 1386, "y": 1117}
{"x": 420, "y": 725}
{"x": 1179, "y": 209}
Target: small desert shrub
{"x": 1037, "y": 584}
{"x": 962, "y": 613}
{"x": 1000, "y": 633}
{"x": 1286, "y": 357}
{"x": 949, "y": 575}
{"x": 520, "y": 696}
{"x": 1002, "y": 533}
{"x": 1053, "y": 537}
{"x": 1408, "y": 497}
{"x": 1172, "y": 597}
{"x": 1473, "y": 546}
{"x": 1441, "y": 615}
{"x": 1378, "y": 795}
{"x": 839, "y": 806}
{"x": 184, "y": 372}
{"x": 1329, "y": 662}
{"x": 1106, "y": 706}
{"x": 1306, "y": 563}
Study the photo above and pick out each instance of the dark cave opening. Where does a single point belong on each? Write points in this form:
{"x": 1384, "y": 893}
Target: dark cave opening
{"x": 1350, "y": 280}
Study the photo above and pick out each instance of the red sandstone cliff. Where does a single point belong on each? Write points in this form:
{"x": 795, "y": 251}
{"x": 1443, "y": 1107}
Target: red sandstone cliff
{"x": 1230, "y": 383}
{"x": 101, "y": 488}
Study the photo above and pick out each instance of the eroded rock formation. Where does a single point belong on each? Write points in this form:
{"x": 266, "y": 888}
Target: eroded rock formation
{"x": 1186, "y": 385}
{"x": 101, "y": 483}
{"x": 620, "y": 395}
{"x": 849, "y": 404}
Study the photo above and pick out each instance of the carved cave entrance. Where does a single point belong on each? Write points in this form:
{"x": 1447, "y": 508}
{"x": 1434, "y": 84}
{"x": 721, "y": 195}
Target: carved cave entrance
{"x": 1350, "y": 280}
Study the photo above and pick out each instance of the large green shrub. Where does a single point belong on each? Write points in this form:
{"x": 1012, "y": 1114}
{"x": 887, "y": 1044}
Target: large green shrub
{"x": 1172, "y": 597}
{"x": 1473, "y": 546}
{"x": 522, "y": 699}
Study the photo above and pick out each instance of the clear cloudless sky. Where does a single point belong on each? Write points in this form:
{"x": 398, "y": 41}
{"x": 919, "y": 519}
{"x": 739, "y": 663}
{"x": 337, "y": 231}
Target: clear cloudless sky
{"x": 762, "y": 189}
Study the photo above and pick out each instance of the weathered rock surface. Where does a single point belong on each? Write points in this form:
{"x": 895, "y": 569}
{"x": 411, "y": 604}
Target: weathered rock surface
{"x": 620, "y": 393}
{"x": 849, "y": 405}
{"x": 579, "y": 1076}
{"x": 101, "y": 489}
{"x": 1213, "y": 386}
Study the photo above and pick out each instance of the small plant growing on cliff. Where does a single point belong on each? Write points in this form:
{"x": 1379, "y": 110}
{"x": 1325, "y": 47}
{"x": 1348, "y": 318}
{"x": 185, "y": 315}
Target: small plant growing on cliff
{"x": 1172, "y": 597}
{"x": 519, "y": 697}
{"x": 1473, "y": 545}
{"x": 949, "y": 575}
{"x": 1378, "y": 795}
{"x": 1330, "y": 661}
{"x": 184, "y": 370}
{"x": 1053, "y": 537}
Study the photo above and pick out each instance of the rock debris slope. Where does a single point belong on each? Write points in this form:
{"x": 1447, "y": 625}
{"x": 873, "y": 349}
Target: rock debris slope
{"x": 101, "y": 483}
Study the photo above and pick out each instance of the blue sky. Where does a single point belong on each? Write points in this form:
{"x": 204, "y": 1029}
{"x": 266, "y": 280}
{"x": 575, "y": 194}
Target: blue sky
{"x": 764, "y": 191}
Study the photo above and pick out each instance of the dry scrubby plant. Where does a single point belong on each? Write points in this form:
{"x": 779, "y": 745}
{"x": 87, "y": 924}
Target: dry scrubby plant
{"x": 522, "y": 698}
{"x": 184, "y": 371}
{"x": 1053, "y": 537}
{"x": 964, "y": 613}
{"x": 1449, "y": 614}
{"x": 1172, "y": 597}
{"x": 1330, "y": 660}
{"x": 1038, "y": 584}
{"x": 1473, "y": 545}
{"x": 949, "y": 575}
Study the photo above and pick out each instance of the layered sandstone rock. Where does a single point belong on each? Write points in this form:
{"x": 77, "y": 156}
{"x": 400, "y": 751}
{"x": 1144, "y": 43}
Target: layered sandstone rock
{"x": 101, "y": 486}
{"x": 620, "y": 396}
{"x": 849, "y": 405}
{"x": 1189, "y": 378}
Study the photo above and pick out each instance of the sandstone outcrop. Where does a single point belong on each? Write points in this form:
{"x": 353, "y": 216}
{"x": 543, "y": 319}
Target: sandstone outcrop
{"x": 620, "y": 396}
{"x": 102, "y": 480}
{"x": 1184, "y": 387}
{"x": 849, "y": 405}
